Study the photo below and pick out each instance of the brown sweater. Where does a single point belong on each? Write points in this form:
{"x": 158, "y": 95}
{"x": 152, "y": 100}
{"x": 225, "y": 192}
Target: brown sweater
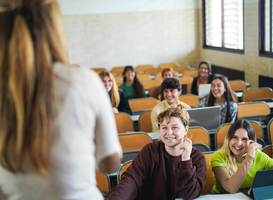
{"x": 154, "y": 174}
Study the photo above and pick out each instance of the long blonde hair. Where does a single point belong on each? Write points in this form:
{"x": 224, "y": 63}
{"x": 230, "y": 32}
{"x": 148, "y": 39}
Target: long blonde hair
{"x": 230, "y": 158}
{"x": 32, "y": 39}
{"x": 114, "y": 94}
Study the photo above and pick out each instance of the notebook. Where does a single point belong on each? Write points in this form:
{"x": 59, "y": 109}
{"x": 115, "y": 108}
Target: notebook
{"x": 207, "y": 117}
{"x": 203, "y": 90}
{"x": 262, "y": 187}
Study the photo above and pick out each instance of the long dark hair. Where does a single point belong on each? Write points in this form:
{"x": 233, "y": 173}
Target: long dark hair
{"x": 137, "y": 86}
{"x": 227, "y": 94}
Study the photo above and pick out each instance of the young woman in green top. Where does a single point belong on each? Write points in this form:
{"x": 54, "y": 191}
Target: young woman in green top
{"x": 232, "y": 166}
{"x": 131, "y": 86}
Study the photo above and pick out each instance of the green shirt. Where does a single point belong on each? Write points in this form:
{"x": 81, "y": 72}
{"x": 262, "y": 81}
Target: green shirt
{"x": 260, "y": 162}
{"x": 128, "y": 91}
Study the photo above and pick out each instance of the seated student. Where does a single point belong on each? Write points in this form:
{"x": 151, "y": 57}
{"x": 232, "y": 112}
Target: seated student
{"x": 231, "y": 168}
{"x": 171, "y": 88}
{"x": 117, "y": 97}
{"x": 204, "y": 76}
{"x": 221, "y": 95}
{"x": 131, "y": 86}
{"x": 168, "y": 168}
{"x": 166, "y": 73}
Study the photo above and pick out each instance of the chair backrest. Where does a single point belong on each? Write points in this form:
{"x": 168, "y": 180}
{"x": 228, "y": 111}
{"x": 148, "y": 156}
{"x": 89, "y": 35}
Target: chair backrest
{"x": 153, "y": 71}
{"x": 147, "y": 103}
{"x": 133, "y": 141}
{"x": 191, "y": 73}
{"x": 147, "y": 84}
{"x": 115, "y": 70}
{"x": 235, "y": 97}
{"x": 144, "y": 122}
{"x": 237, "y": 85}
{"x": 209, "y": 174}
{"x": 118, "y": 79}
{"x": 186, "y": 80}
{"x": 142, "y": 77}
{"x": 252, "y": 108}
{"x": 260, "y": 141}
{"x": 270, "y": 131}
{"x": 189, "y": 99}
{"x": 181, "y": 69}
{"x": 124, "y": 122}
{"x": 141, "y": 68}
{"x": 103, "y": 182}
{"x": 268, "y": 150}
{"x": 167, "y": 65}
{"x": 198, "y": 134}
{"x": 220, "y": 135}
{"x": 258, "y": 93}
{"x": 153, "y": 92}
{"x": 202, "y": 147}
{"x": 122, "y": 169}
{"x": 119, "y": 84}
{"x": 98, "y": 70}
{"x": 158, "y": 76}
{"x": 258, "y": 129}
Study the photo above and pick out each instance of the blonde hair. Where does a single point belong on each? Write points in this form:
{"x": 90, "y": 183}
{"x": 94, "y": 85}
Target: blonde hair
{"x": 114, "y": 94}
{"x": 29, "y": 103}
{"x": 174, "y": 111}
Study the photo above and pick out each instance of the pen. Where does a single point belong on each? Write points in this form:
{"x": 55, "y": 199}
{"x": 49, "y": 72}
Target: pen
{"x": 244, "y": 154}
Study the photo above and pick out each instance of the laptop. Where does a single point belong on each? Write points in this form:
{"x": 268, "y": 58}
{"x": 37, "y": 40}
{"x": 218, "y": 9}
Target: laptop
{"x": 207, "y": 117}
{"x": 262, "y": 187}
{"x": 203, "y": 90}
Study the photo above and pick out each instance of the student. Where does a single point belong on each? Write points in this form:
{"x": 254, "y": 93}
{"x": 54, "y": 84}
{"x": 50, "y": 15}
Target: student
{"x": 117, "y": 97}
{"x": 168, "y": 168}
{"x": 221, "y": 95}
{"x": 231, "y": 168}
{"x": 55, "y": 122}
{"x": 166, "y": 73}
{"x": 131, "y": 86}
{"x": 171, "y": 88}
{"x": 204, "y": 76}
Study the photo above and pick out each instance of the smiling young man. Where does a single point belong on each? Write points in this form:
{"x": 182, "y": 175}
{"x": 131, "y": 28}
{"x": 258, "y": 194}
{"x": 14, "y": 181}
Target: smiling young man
{"x": 171, "y": 88}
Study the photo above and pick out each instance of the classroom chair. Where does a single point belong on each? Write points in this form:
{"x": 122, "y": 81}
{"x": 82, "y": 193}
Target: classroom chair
{"x": 268, "y": 150}
{"x": 119, "y": 84}
{"x": 181, "y": 69}
{"x": 122, "y": 169}
{"x": 189, "y": 99}
{"x": 103, "y": 182}
{"x": 257, "y": 93}
{"x": 132, "y": 143}
{"x": 140, "y": 104}
{"x": 141, "y": 68}
{"x": 144, "y": 121}
{"x": 98, "y": 70}
{"x": 153, "y": 71}
{"x": 188, "y": 81}
{"x": 153, "y": 92}
{"x": 147, "y": 84}
{"x": 118, "y": 79}
{"x": 142, "y": 77}
{"x": 202, "y": 147}
{"x": 167, "y": 65}
{"x": 209, "y": 174}
{"x": 252, "y": 110}
{"x": 116, "y": 70}
{"x": 270, "y": 131}
{"x": 191, "y": 73}
{"x": 198, "y": 134}
{"x": 124, "y": 122}
{"x": 235, "y": 97}
{"x": 237, "y": 85}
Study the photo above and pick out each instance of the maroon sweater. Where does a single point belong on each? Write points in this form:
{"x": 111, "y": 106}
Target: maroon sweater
{"x": 155, "y": 174}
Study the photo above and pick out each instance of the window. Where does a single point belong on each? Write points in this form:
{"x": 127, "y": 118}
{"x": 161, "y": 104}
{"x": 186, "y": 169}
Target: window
{"x": 223, "y": 25}
{"x": 266, "y": 28}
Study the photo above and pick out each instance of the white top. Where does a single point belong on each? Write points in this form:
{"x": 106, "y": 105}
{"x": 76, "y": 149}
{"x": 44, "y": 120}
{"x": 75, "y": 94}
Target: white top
{"x": 86, "y": 134}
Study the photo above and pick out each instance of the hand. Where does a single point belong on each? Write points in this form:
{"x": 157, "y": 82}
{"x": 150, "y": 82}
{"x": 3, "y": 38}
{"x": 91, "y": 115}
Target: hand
{"x": 115, "y": 110}
{"x": 186, "y": 147}
{"x": 252, "y": 147}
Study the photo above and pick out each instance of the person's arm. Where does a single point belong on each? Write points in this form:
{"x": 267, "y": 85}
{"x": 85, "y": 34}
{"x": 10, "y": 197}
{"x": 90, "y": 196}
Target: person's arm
{"x": 191, "y": 176}
{"x": 233, "y": 111}
{"x": 232, "y": 183}
{"x": 154, "y": 121}
{"x": 123, "y": 104}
